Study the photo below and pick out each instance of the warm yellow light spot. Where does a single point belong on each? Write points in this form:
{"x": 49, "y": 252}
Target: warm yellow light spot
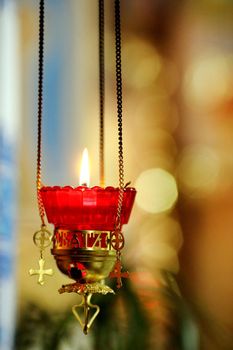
{"x": 162, "y": 228}
{"x": 84, "y": 179}
{"x": 142, "y": 63}
{"x": 157, "y": 190}
{"x": 207, "y": 79}
{"x": 155, "y": 111}
{"x": 198, "y": 170}
{"x": 159, "y": 255}
{"x": 146, "y": 72}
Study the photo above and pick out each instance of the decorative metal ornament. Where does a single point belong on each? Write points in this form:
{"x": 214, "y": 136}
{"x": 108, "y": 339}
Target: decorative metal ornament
{"x": 87, "y": 239}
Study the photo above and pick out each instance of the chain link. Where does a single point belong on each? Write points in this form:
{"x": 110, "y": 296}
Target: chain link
{"x": 40, "y": 109}
{"x": 119, "y": 110}
{"x": 101, "y": 90}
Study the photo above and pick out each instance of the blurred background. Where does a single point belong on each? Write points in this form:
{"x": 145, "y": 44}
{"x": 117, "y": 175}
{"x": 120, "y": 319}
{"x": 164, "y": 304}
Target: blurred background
{"x": 177, "y": 58}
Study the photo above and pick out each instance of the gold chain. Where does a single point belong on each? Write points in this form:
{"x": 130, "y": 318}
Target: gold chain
{"x": 101, "y": 89}
{"x": 40, "y": 108}
{"x": 119, "y": 110}
{"x": 42, "y": 238}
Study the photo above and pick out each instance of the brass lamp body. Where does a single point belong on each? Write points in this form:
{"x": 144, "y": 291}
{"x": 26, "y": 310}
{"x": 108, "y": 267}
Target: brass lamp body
{"x": 85, "y": 256}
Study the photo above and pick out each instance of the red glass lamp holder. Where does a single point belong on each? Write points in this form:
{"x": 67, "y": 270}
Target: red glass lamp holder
{"x": 85, "y": 208}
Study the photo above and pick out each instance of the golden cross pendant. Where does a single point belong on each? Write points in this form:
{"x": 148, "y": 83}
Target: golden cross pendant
{"x": 116, "y": 273}
{"x": 41, "y": 272}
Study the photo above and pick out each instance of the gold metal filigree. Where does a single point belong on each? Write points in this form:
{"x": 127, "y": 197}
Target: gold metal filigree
{"x": 85, "y": 288}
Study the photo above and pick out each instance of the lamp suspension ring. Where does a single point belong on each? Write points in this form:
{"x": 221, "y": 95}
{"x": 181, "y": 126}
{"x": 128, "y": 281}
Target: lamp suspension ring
{"x": 42, "y": 238}
{"x": 117, "y": 240}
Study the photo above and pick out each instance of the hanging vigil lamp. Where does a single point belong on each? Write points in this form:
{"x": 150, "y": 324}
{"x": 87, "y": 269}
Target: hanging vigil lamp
{"x": 87, "y": 240}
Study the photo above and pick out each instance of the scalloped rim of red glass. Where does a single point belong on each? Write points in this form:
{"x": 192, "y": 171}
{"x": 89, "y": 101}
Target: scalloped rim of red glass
{"x": 85, "y": 188}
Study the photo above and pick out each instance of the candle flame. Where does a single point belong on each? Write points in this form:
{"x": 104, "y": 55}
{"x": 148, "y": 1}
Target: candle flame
{"x": 84, "y": 179}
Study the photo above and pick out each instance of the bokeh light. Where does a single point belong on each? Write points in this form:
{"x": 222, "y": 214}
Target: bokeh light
{"x": 141, "y": 63}
{"x": 157, "y": 190}
{"x": 198, "y": 170}
{"x": 162, "y": 228}
{"x": 207, "y": 80}
{"x": 164, "y": 146}
{"x": 158, "y": 255}
{"x": 159, "y": 140}
{"x": 155, "y": 110}
{"x": 169, "y": 76}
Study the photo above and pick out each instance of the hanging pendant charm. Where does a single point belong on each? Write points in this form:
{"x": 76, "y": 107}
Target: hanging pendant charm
{"x": 118, "y": 242}
{"x": 42, "y": 239}
{"x": 116, "y": 273}
{"x": 41, "y": 272}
